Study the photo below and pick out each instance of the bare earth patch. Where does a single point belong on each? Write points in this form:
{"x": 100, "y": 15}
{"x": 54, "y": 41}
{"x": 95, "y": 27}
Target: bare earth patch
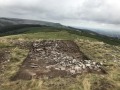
{"x": 56, "y": 58}
{"x": 4, "y": 58}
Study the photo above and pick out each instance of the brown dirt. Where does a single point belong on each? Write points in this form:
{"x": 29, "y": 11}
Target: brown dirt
{"x": 4, "y": 58}
{"x": 103, "y": 85}
{"x": 4, "y": 55}
{"x": 49, "y": 58}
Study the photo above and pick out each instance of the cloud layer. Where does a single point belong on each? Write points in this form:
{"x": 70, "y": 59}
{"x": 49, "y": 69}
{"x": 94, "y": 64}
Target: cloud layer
{"x": 70, "y": 12}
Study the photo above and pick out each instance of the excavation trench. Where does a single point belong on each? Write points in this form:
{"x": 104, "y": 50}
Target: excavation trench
{"x": 55, "y": 58}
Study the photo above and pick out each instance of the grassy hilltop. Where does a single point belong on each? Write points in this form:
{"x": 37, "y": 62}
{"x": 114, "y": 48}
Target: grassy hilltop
{"x": 14, "y": 46}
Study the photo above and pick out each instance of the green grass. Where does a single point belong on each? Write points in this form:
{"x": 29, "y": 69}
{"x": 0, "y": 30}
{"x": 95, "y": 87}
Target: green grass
{"x": 36, "y": 33}
{"x": 45, "y": 32}
{"x": 93, "y": 47}
{"x": 10, "y": 68}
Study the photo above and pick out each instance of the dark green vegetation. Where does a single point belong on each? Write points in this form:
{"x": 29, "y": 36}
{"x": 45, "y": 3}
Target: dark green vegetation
{"x": 98, "y": 48}
{"x": 24, "y": 29}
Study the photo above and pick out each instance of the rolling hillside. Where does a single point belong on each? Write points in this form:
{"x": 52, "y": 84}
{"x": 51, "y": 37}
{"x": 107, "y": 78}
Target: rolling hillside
{"x": 5, "y": 22}
{"x": 21, "y": 43}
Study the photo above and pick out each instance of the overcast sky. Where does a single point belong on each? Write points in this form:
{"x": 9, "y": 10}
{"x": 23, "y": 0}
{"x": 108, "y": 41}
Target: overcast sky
{"x": 103, "y": 14}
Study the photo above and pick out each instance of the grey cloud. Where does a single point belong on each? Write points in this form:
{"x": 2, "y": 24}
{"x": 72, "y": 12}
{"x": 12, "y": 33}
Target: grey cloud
{"x": 99, "y": 11}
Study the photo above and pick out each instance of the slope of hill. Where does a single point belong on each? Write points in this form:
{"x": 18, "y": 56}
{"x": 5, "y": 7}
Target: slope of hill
{"x": 25, "y": 51}
{"x": 110, "y": 33}
{"x": 14, "y": 21}
{"x": 14, "y": 26}
{"x": 107, "y": 32}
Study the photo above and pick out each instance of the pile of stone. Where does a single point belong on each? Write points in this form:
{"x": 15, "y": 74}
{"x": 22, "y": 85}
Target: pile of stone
{"x": 75, "y": 66}
{"x": 54, "y": 58}
{"x": 63, "y": 59}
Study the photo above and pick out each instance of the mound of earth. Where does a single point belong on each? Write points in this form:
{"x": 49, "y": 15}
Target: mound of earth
{"x": 55, "y": 58}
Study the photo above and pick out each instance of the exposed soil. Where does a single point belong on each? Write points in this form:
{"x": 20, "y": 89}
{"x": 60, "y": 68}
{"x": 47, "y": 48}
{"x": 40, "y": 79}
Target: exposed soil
{"x": 103, "y": 85}
{"x": 4, "y": 55}
{"x": 4, "y": 58}
{"x": 55, "y": 58}
{"x": 22, "y": 44}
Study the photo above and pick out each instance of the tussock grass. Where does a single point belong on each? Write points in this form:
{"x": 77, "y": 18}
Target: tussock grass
{"x": 17, "y": 57}
{"x": 91, "y": 47}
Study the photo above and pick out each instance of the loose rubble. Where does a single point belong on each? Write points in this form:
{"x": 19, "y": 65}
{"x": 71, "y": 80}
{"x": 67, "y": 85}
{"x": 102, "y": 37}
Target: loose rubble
{"x": 54, "y": 58}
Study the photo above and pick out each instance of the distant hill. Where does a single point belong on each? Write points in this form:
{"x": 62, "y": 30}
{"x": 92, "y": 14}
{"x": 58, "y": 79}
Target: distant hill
{"x": 37, "y": 55}
{"x": 109, "y": 33}
{"x": 106, "y": 32}
{"x": 14, "y": 21}
{"x": 13, "y": 26}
